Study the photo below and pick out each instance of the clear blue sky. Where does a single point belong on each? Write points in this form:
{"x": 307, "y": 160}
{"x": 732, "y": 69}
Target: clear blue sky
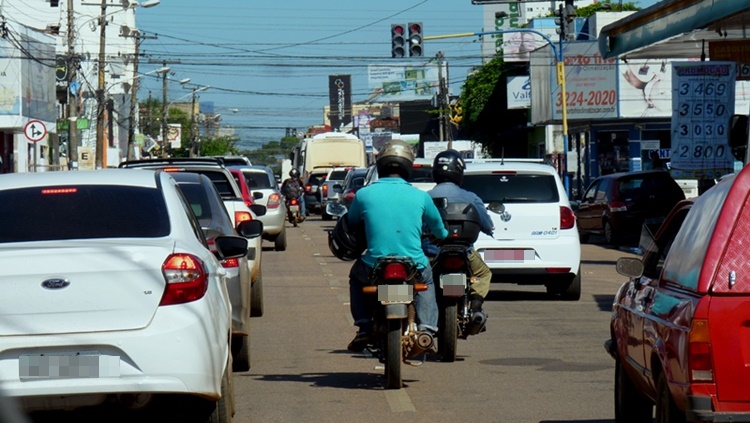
{"x": 268, "y": 62}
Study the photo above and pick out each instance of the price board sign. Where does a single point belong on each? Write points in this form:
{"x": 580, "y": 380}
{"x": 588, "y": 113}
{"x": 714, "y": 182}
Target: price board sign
{"x": 702, "y": 102}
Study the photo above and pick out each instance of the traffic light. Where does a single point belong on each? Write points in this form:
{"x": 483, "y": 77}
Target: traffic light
{"x": 398, "y": 40}
{"x": 570, "y": 20}
{"x": 416, "y": 49}
{"x": 560, "y": 21}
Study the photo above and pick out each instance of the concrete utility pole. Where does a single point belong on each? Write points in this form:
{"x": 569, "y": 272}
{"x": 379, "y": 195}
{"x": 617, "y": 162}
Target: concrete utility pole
{"x": 72, "y": 65}
{"x": 101, "y": 141}
{"x": 138, "y": 38}
{"x": 164, "y": 124}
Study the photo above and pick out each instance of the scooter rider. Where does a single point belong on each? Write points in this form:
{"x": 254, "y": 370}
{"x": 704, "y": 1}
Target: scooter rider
{"x": 293, "y": 187}
{"x": 393, "y": 212}
{"x": 448, "y": 172}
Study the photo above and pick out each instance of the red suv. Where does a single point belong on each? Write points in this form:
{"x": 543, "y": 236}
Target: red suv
{"x": 680, "y": 327}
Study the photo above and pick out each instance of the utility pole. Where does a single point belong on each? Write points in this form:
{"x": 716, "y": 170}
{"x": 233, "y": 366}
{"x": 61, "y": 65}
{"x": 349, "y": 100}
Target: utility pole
{"x": 101, "y": 141}
{"x": 194, "y": 151}
{"x": 72, "y": 65}
{"x": 138, "y": 38}
{"x": 164, "y": 125}
{"x": 441, "y": 98}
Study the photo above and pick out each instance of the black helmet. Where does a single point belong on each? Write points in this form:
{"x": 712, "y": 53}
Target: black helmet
{"x": 294, "y": 173}
{"x": 448, "y": 167}
{"x": 397, "y": 157}
{"x": 345, "y": 242}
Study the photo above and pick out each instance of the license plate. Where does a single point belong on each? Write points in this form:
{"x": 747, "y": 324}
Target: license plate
{"x": 508, "y": 256}
{"x": 67, "y": 366}
{"x": 395, "y": 294}
{"x": 453, "y": 284}
{"x": 294, "y": 209}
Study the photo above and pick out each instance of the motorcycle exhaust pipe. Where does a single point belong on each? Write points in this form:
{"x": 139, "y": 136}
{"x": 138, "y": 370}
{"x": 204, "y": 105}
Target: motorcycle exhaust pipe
{"x": 424, "y": 340}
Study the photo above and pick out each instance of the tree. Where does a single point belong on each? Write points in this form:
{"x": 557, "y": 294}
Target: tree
{"x": 219, "y": 146}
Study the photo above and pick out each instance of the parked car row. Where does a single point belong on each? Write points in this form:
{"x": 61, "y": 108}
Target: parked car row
{"x": 135, "y": 271}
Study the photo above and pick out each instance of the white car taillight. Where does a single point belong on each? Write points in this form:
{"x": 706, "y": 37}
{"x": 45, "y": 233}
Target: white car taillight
{"x": 186, "y": 279}
{"x": 567, "y": 218}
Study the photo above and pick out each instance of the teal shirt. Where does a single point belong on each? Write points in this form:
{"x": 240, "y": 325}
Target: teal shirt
{"x": 393, "y": 212}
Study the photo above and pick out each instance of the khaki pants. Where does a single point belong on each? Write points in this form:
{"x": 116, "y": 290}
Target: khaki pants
{"x": 482, "y": 275}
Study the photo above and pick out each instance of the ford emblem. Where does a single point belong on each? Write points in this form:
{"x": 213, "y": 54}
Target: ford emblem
{"x": 55, "y": 283}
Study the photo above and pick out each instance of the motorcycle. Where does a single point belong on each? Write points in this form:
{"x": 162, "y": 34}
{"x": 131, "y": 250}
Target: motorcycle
{"x": 396, "y": 339}
{"x": 394, "y": 280}
{"x": 294, "y": 211}
{"x": 453, "y": 276}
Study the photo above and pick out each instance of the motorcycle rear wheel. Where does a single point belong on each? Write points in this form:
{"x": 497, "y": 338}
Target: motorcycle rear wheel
{"x": 449, "y": 330}
{"x": 393, "y": 355}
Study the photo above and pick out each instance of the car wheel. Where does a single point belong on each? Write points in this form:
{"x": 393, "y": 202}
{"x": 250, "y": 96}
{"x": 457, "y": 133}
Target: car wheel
{"x": 584, "y": 238}
{"x": 630, "y": 405}
{"x": 279, "y": 244}
{"x": 325, "y": 216}
{"x": 256, "y": 297}
{"x": 567, "y": 290}
{"x": 610, "y": 236}
{"x": 222, "y": 412}
{"x": 666, "y": 410}
{"x": 241, "y": 353}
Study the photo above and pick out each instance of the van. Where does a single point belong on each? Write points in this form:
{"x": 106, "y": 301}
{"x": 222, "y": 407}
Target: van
{"x": 679, "y": 329}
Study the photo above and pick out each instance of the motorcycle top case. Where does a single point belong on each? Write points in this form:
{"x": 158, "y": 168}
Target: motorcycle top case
{"x": 462, "y": 222}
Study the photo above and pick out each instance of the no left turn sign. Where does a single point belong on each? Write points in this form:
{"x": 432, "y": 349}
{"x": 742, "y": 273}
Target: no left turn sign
{"x": 35, "y": 130}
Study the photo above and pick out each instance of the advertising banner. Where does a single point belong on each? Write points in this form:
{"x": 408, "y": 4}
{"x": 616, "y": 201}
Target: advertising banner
{"x": 519, "y": 92}
{"x": 702, "y": 102}
{"x": 340, "y": 100}
{"x": 403, "y": 82}
{"x": 645, "y": 88}
{"x": 174, "y": 135}
{"x": 591, "y": 84}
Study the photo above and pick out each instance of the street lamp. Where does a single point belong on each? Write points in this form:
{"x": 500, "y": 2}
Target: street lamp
{"x": 560, "y": 67}
{"x": 194, "y": 150}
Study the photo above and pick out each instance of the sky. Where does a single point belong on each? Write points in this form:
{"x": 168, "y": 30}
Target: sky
{"x": 267, "y": 63}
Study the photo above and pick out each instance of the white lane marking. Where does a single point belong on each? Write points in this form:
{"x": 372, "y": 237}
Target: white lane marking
{"x": 399, "y": 401}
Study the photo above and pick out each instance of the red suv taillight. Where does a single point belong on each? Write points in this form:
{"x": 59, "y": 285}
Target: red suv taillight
{"x": 567, "y": 218}
{"x": 274, "y": 200}
{"x": 700, "y": 359}
{"x": 618, "y": 206}
{"x": 324, "y": 191}
{"x": 186, "y": 279}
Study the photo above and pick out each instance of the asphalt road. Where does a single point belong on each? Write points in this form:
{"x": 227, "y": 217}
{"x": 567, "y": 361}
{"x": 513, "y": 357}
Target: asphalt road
{"x": 539, "y": 361}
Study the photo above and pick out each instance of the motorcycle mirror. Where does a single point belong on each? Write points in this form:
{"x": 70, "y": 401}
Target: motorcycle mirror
{"x": 496, "y": 207}
{"x": 335, "y": 209}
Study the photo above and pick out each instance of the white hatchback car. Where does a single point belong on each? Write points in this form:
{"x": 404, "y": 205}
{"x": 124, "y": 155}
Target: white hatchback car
{"x": 124, "y": 300}
{"x": 535, "y": 241}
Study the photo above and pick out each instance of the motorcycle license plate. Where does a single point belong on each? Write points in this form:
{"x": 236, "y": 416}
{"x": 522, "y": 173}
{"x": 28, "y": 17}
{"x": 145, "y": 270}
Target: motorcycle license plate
{"x": 395, "y": 294}
{"x": 294, "y": 208}
{"x": 453, "y": 284}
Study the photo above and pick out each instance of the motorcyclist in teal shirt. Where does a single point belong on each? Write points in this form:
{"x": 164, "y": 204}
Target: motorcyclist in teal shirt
{"x": 393, "y": 213}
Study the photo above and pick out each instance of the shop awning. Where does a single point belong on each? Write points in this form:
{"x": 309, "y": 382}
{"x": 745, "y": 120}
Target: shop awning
{"x": 676, "y": 29}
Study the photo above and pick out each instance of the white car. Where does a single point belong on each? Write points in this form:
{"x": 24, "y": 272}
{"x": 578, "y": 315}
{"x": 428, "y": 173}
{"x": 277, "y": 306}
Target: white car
{"x": 231, "y": 195}
{"x": 265, "y": 191}
{"x": 124, "y": 300}
{"x": 535, "y": 241}
{"x": 421, "y": 174}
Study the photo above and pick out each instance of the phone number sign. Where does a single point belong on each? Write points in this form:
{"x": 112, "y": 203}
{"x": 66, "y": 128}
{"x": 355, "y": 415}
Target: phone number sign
{"x": 702, "y": 103}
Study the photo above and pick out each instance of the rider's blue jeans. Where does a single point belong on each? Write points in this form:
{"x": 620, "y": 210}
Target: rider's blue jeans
{"x": 362, "y": 305}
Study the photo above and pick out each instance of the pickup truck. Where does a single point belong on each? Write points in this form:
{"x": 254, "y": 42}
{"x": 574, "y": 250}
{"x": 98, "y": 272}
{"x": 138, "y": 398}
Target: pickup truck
{"x": 327, "y": 192}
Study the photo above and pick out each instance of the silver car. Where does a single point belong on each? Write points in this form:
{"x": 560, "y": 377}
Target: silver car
{"x": 263, "y": 185}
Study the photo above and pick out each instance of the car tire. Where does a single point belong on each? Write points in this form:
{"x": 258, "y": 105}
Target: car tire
{"x": 567, "y": 290}
{"x": 325, "y": 216}
{"x": 610, "y": 235}
{"x": 279, "y": 244}
{"x": 584, "y": 238}
{"x": 666, "y": 409}
{"x": 222, "y": 411}
{"x": 240, "y": 353}
{"x": 630, "y": 405}
{"x": 256, "y": 297}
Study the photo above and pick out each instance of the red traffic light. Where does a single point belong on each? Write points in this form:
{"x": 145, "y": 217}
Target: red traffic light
{"x": 398, "y": 41}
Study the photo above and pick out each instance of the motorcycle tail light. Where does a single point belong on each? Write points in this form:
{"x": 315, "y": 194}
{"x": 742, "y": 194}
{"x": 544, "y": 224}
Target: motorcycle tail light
{"x": 241, "y": 216}
{"x": 453, "y": 263}
{"x": 394, "y": 271}
{"x": 186, "y": 279}
{"x": 274, "y": 201}
{"x": 293, "y": 202}
{"x": 308, "y": 187}
{"x": 567, "y": 218}
{"x": 700, "y": 357}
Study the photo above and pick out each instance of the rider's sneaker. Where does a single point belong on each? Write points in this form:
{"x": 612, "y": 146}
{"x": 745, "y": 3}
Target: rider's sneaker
{"x": 359, "y": 342}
